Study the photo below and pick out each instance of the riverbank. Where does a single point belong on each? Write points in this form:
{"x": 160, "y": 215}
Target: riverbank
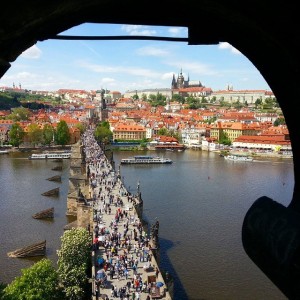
{"x": 257, "y": 154}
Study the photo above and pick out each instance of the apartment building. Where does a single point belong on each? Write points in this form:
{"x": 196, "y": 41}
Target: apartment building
{"x": 129, "y": 132}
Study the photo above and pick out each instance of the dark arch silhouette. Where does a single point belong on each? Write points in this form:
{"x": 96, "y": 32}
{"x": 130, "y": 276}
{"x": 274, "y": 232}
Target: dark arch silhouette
{"x": 265, "y": 31}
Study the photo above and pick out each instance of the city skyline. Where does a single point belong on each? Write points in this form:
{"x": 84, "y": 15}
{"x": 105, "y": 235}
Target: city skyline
{"x": 124, "y": 65}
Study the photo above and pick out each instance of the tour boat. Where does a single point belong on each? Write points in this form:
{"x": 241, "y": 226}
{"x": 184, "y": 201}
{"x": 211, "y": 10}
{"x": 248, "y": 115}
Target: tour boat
{"x": 238, "y": 157}
{"x": 144, "y": 159}
{"x": 53, "y": 155}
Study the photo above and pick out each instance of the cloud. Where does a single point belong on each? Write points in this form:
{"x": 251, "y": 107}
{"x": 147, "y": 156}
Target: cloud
{"x": 20, "y": 75}
{"x": 151, "y": 51}
{"x": 124, "y": 70}
{"x": 167, "y": 76}
{"x": 225, "y": 45}
{"x": 138, "y": 30}
{"x": 107, "y": 80}
{"x": 176, "y": 31}
{"x": 192, "y": 67}
{"x": 32, "y": 53}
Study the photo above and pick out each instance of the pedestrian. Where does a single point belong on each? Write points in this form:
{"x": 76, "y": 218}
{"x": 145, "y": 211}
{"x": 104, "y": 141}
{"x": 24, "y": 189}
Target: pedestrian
{"x": 156, "y": 272}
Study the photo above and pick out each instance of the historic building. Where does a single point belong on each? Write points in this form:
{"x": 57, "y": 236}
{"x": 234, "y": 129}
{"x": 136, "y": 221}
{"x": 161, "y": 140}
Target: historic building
{"x": 180, "y": 82}
{"x": 188, "y": 88}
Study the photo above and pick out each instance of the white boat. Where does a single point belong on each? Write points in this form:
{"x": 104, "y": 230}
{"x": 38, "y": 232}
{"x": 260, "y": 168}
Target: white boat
{"x": 144, "y": 159}
{"x": 49, "y": 155}
{"x": 238, "y": 157}
{"x": 4, "y": 152}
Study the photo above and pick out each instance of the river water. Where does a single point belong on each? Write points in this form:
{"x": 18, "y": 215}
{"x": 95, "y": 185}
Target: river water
{"x": 200, "y": 201}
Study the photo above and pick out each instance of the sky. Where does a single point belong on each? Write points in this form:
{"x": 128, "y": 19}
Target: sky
{"x": 126, "y": 65}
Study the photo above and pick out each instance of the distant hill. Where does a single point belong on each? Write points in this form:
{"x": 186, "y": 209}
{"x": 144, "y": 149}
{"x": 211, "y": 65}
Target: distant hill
{"x": 8, "y": 101}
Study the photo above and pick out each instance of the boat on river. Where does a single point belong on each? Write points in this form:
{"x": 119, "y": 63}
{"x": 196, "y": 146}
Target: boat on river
{"x": 146, "y": 159}
{"x": 4, "y": 152}
{"x": 49, "y": 155}
{"x": 238, "y": 157}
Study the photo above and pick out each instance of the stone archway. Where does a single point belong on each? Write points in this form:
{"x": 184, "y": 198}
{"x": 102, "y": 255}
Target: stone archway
{"x": 266, "y": 32}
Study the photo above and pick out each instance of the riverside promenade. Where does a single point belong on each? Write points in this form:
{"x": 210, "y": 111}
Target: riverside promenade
{"x": 124, "y": 255}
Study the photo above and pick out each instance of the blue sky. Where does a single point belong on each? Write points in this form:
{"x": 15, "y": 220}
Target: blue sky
{"x": 129, "y": 64}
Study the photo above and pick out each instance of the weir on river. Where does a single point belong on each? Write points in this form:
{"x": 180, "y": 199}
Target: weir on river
{"x": 125, "y": 258}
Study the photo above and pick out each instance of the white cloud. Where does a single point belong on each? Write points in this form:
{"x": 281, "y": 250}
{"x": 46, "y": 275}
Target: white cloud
{"x": 177, "y": 31}
{"x": 20, "y": 75}
{"x": 152, "y": 51}
{"x": 192, "y": 67}
{"x": 107, "y": 80}
{"x": 32, "y": 53}
{"x": 124, "y": 70}
{"x": 227, "y": 46}
{"x": 138, "y": 30}
{"x": 167, "y": 76}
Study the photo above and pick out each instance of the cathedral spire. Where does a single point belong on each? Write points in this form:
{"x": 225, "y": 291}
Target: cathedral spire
{"x": 173, "y": 84}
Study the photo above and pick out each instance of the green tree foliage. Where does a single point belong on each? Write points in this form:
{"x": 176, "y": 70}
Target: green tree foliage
{"x": 157, "y": 100}
{"x": 178, "y": 98}
{"x": 224, "y": 103}
{"x": 48, "y": 133}
{"x": 237, "y": 104}
{"x": 7, "y": 101}
{"x": 16, "y": 135}
{"x": 163, "y": 131}
{"x": 2, "y": 287}
{"x": 279, "y": 121}
{"x": 258, "y": 102}
{"x": 81, "y": 127}
{"x": 35, "y": 134}
{"x": 103, "y": 133}
{"x": 74, "y": 262}
{"x": 224, "y": 139}
{"x": 20, "y": 114}
{"x": 62, "y": 133}
{"x": 37, "y": 282}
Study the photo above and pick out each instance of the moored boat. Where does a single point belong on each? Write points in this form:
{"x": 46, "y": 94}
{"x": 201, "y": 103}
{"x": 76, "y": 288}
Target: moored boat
{"x": 49, "y": 155}
{"x": 4, "y": 152}
{"x": 145, "y": 159}
{"x": 238, "y": 157}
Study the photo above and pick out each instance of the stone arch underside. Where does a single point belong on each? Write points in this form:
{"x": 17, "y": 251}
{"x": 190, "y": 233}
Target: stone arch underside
{"x": 267, "y": 33}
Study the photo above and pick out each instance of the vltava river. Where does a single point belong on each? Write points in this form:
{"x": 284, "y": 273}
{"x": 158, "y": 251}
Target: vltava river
{"x": 200, "y": 201}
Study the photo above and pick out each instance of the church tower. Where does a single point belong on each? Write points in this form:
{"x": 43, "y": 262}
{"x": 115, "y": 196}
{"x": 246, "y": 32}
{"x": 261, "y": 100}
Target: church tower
{"x": 103, "y": 115}
{"x": 180, "y": 80}
{"x": 174, "y": 83}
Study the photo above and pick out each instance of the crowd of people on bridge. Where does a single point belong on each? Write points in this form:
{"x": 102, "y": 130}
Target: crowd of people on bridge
{"x": 120, "y": 243}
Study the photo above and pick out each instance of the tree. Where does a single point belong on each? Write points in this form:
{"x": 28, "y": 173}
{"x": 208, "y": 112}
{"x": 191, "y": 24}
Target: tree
{"x": 81, "y": 127}
{"x": 279, "y": 121}
{"x": 258, "y": 102}
{"x": 48, "y": 133}
{"x": 74, "y": 262}
{"x": 163, "y": 131}
{"x": 37, "y": 282}
{"x": 16, "y": 135}
{"x": 103, "y": 133}
{"x": 144, "y": 97}
{"x": 35, "y": 134}
{"x": 178, "y": 98}
{"x": 62, "y": 134}
{"x": 224, "y": 139}
{"x": 20, "y": 114}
